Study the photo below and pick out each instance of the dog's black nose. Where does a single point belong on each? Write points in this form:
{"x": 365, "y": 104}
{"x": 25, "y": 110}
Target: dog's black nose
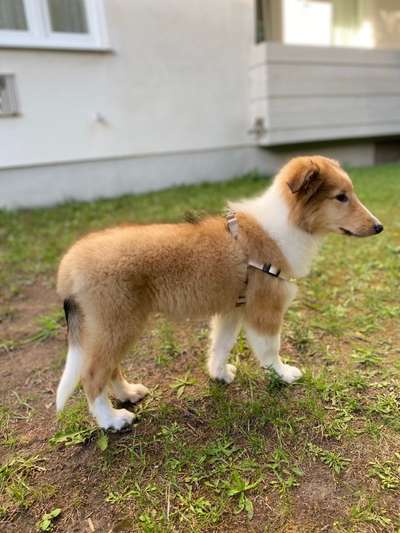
{"x": 378, "y": 228}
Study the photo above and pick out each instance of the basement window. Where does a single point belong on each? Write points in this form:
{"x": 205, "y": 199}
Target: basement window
{"x": 78, "y": 24}
{"x": 8, "y": 96}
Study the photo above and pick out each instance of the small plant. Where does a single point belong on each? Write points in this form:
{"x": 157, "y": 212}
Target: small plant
{"x": 19, "y": 466}
{"x": 366, "y": 357}
{"x": 221, "y": 451}
{"x": 366, "y": 512}
{"x": 286, "y": 475}
{"x": 169, "y": 348}
{"x": 386, "y": 405}
{"x": 338, "y": 427}
{"x": 129, "y": 494}
{"x": 334, "y": 460}
{"x": 14, "y": 477}
{"x": 180, "y": 385}
{"x": 170, "y": 433}
{"x": 73, "y": 438}
{"x": 46, "y": 523}
{"x": 150, "y": 522}
{"x": 237, "y": 486}
{"x": 102, "y": 441}
{"x": 200, "y": 507}
{"x": 8, "y": 345}
{"x": 74, "y": 426}
{"x": 49, "y": 327}
{"x": 387, "y": 472}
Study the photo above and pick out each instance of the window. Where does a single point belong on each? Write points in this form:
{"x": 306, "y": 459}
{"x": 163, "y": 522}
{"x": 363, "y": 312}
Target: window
{"x": 68, "y": 17}
{"x": 307, "y": 22}
{"x": 268, "y": 20}
{"x": 12, "y": 15}
{"x": 8, "y": 95}
{"x": 352, "y": 23}
{"x": 53, "y": 24}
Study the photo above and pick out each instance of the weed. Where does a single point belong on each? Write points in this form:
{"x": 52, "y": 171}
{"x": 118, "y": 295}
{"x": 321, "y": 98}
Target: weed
{"x": 8, "y": 345}
{"x": 180, "y": 385}
{"x": 74, "y": 438}
{"x": 198, "y": 507}
{"x": 366, "y": 512}
{"x": 49, "y": 326}
{"x": 334, "y": 460}
{"x": 170, "y": 433}
{"x": 366, "y": 357}
{"x": 138, "y": 492}
{"x": 74, "y": 426}
{"x": 238, "y": 487}
{"x": 387, "y": 472}
{"x": 387, "y": 406}
{"x": 286, "y": 475}
{"x": 14, "y": 478}
{"x": 169, "y": 348}
{"x": 46, "y": 523}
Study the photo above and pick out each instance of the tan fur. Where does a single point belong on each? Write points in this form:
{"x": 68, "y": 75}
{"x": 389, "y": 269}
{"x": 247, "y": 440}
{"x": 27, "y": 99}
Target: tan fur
{"x": 120, "y": 276}
{"x": 309, "y": 184}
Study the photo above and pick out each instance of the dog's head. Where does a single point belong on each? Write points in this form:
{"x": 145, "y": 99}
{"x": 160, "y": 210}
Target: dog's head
{"x": 321, "y": 198}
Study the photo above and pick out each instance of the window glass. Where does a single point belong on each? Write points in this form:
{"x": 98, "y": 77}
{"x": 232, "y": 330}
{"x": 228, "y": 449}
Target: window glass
{"x": 351, "y": 23}
{"x": 12, "y": 15}
{"x": 68, "y": 16}
{"x": 260, "y": 30}
{"x": 307, "y": 22}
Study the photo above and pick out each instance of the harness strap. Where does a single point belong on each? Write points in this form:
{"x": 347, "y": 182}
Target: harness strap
{"x": 267, "y": 268}
{"x": 270, "y": 269}
{"x": 233, "y": 225}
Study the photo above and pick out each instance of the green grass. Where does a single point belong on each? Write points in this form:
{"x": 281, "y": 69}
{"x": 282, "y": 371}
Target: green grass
{"x": 201, "y": 456}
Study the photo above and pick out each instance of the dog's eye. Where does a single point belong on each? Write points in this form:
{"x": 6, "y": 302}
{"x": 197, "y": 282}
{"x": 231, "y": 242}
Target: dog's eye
{"x": 342, "y": 197}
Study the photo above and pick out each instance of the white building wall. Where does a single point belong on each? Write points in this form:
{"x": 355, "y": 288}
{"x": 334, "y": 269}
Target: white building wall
{"x": 175, "y": 80}
{"x": 174, "y": 91}
{"x": 311, "y": 94}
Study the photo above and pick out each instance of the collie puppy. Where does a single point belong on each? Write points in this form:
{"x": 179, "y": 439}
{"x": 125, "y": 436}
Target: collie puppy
{"x": 112, "y": 281}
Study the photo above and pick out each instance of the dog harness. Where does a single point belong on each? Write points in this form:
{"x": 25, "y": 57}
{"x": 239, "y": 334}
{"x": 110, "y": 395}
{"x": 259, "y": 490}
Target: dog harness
{"x": 266, "y": 268}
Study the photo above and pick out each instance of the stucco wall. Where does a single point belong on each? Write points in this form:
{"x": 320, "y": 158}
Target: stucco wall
{"x": 177, "y": 80}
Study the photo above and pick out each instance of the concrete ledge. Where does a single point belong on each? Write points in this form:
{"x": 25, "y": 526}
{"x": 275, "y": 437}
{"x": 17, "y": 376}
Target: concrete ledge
{"x": 88, "y": 180}
{"x": 52, "y": 184}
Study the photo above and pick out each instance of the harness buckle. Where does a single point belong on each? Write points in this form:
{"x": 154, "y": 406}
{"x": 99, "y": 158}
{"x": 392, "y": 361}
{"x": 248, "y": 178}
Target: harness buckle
{"x": 271, "y": 270}
{"x": 233, "y": 225}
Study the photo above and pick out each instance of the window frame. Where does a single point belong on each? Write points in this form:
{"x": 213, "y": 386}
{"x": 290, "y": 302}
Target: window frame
{"x": 40, "y": 35}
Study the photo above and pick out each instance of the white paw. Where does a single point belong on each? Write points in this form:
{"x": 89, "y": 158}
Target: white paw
{"x": 134, "y": 392}
{"x": 117, "y": 419}
{"x": 226, "y": 374}
{"x": 288, "y": 373}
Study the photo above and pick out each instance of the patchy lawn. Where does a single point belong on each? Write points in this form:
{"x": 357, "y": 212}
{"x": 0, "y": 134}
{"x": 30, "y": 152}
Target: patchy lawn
{"x": 320, "y": 455}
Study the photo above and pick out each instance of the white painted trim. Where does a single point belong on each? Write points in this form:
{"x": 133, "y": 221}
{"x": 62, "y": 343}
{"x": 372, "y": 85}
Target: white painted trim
{"x": 39, "y": 34}
{"x": 69, "y": 47}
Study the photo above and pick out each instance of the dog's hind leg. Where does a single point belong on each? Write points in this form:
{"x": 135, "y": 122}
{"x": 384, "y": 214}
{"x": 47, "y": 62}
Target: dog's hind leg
{"x": 124, "y": 391}
{"x": 101, "y": 359}
{"x": 266, "y": 349}
{"x": 224, "y": 330}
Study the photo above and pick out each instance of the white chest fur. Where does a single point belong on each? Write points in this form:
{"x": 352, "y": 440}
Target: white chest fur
{"x": 272, "y": 213}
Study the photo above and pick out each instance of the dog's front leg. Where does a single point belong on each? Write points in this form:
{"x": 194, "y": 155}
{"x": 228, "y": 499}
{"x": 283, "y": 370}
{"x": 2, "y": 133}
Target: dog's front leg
{"x": 224, "y": 329}
{"x": 266, "y": 349}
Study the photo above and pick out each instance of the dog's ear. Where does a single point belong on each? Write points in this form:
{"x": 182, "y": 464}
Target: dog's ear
{"x": 306, "y": 179}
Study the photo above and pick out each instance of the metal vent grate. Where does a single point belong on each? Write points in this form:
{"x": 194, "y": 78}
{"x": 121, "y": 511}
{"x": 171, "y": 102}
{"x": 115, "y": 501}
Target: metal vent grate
{"x": 8, "y": 95}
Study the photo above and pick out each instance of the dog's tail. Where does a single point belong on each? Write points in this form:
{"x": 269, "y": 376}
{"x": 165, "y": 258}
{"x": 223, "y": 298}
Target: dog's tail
{"x": 73, "y": 363}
